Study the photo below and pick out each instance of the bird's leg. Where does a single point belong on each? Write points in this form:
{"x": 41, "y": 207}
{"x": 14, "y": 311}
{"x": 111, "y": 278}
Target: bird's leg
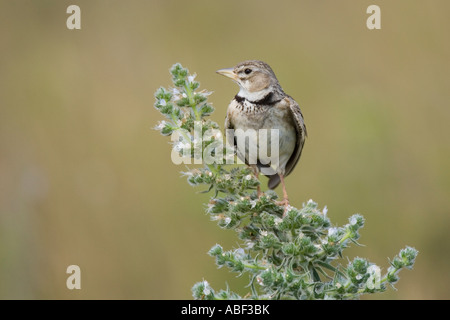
{"x": 285, "y": 195}
{"x": 258, "y": 187}
{"x": 256, "y": 173}
{"x": 285, "y": 201}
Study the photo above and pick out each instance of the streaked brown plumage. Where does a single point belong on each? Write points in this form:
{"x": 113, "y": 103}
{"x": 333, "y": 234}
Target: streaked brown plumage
{"x": 261, "y": 103}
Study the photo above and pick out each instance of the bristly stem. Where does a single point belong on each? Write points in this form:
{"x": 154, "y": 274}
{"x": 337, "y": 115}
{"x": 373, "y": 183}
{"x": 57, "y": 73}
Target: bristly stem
{"x": 192, "y": 102}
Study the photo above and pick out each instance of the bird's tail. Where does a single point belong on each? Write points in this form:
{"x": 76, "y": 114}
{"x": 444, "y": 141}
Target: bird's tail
{"x": 274, "y": 181}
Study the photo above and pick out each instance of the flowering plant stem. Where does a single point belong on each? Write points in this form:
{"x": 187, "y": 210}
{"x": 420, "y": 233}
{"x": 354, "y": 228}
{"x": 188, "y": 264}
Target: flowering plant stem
{"x": 294, "y": 255}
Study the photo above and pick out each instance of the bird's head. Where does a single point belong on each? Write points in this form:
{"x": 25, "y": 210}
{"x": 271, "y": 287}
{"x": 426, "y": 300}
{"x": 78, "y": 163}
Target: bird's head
{"x": 255, "y": 79}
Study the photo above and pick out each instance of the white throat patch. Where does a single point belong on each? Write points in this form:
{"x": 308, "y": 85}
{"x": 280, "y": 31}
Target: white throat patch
{"x": 253, "y": 96}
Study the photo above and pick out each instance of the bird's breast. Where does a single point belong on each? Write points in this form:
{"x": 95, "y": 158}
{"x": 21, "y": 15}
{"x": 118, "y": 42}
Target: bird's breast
{"x": 245, "y": 115}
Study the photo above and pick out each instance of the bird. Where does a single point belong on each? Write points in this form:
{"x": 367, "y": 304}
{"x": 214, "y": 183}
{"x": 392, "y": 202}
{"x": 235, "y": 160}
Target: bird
{"x": 261, "y": 103}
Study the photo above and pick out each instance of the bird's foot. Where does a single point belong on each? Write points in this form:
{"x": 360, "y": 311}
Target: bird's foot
{"x": 285, "y": 204}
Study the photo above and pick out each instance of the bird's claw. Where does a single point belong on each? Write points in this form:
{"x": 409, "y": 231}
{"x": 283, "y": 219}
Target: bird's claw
{"x": 285, "y": 204}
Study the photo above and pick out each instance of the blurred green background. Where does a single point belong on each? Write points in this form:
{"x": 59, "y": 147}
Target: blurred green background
{"x": 85, "y": 180}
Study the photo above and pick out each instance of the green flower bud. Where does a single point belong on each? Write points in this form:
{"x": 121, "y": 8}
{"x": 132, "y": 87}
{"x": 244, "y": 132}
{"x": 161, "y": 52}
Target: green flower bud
{"x": 267, "y": 277}
{"x": 167, "y": 130}
{"x": 183, "y": 102}
{"x": 360, "y": 265}
{"x": 391, "y": 276}
{"x": 206, "y": 109}
{"x": 290, "y": 249}
{"x": 202, "y": 290}
{"x": 215, "y": 250}
{"x": 356, "y": 222}
{"x": 268, "y": 240}
{"x": 408, "y": 256}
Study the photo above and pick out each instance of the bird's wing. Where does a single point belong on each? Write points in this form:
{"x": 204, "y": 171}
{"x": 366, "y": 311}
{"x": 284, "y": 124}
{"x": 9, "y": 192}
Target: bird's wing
{"x": 300, "y": 129}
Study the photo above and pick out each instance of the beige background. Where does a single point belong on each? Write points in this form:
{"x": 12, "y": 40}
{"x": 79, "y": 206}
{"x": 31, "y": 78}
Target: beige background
{"x": 84, "y": 180}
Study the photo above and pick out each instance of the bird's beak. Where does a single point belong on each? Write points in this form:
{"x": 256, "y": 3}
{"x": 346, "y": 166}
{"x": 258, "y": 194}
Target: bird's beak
{"x": 228, "y": 73}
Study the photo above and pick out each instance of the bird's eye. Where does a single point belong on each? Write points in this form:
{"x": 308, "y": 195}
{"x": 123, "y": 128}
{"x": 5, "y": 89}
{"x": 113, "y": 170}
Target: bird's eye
{"x": 248, "y": 71}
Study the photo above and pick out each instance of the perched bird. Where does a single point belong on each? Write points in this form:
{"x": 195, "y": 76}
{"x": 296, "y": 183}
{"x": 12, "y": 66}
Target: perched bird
{"x": 261, "y": 103}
